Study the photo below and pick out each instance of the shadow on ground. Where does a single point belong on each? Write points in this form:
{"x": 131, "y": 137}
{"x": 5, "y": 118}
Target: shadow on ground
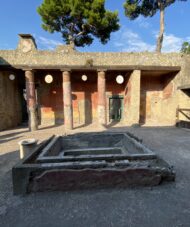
{"x": 161, "y": 206}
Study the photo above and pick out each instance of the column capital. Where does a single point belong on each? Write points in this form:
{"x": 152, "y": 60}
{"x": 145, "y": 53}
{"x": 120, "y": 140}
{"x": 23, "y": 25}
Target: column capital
{"x": 28, "y": 69}
{"x": 29, "y": 76}
{"x": 136, "y": 70}
{"x": 66, "y": 76}
{"x": 65, "y": 70}
{"x": 101, "y": 74}
{"x": 101, "y": 70}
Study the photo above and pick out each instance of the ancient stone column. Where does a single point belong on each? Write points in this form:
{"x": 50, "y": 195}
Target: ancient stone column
{"x": 102, "y": 115}
{"x": 31, "y": 100}
{"x": 67, "y": 100}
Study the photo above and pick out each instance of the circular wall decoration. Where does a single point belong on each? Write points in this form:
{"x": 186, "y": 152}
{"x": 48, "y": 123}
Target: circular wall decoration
{"x": 84, "y": 77}
{"x": 11, "y": 76}
{"x": 119, "y": 79}
{"x": 48, "y": 79}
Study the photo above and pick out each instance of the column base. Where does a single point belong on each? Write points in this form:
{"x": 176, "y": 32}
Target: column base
{"x": 33, "y": 123}
{"x": 102, "y": 115}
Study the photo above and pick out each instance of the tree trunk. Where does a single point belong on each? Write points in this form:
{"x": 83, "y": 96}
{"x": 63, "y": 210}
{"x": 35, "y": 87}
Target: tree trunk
{"x": 161, "y": 34}
{"x": 71, "y": 41}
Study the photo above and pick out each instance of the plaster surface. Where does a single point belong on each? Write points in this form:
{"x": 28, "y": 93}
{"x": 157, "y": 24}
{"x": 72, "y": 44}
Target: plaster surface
{"x": 160, "y": 95}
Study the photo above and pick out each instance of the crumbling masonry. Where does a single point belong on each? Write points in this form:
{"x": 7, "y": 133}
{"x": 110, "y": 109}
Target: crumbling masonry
{"x": 155, "y": 86}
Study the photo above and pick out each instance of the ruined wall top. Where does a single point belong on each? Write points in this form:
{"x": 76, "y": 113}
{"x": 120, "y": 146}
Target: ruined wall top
{"x": 26, "y": 43}
{"x": 27, "y": 55}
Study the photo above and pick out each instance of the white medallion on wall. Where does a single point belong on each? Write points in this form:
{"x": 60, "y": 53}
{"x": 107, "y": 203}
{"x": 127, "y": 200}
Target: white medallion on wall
{"x": 48, "y": 79}
{"x": 11, "y": 77}
{"x": 119, "y": 79}
{"x": 84, "y": 77}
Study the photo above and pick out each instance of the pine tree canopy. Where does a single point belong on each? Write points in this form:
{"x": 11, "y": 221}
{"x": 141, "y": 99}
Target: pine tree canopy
{"x": 146, "y": 8}
{"x": 185, "y": 48}
{"x": 79, "y": 21}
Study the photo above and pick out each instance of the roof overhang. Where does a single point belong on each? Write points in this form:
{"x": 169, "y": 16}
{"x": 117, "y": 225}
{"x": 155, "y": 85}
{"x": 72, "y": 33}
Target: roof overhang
{"x": 94, "y": 67}
{"x": 184, "y": 87}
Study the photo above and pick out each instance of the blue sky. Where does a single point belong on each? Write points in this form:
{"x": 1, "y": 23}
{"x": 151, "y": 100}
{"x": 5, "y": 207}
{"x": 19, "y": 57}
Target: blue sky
{"x": 20, "y": 16}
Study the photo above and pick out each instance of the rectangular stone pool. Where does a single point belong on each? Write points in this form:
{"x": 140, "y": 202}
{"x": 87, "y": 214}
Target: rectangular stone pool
{"x": 90, "y": 160}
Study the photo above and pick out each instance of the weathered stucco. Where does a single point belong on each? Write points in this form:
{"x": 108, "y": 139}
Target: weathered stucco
{"x": 27, "y": 55}
{"x": 10, "y": 102}
{"x": 58, "y": 59}
{"x": 150, "y": 91}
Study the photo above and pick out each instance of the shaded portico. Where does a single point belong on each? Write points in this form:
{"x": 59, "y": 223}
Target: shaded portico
{"x": 70, "y": 100}
{"x": 100, "y": 86}
{"x": 70, "y": 78}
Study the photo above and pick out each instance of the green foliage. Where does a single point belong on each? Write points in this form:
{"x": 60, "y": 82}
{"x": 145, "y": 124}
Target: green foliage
{"x": 146, "y": 8}
{"x": 79, "y": 21}
{"x": 185, "y": 48}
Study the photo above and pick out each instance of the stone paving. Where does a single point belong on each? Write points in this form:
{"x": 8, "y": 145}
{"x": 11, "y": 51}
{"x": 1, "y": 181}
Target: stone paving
{"x": 162, "y": 206}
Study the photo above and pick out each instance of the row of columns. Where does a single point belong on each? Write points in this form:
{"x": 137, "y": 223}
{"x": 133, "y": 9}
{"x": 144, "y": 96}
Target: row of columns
{"x": 67, "y": 99}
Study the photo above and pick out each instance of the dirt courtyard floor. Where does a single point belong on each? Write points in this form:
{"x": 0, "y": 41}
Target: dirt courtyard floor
{"x": 167, "y": 205}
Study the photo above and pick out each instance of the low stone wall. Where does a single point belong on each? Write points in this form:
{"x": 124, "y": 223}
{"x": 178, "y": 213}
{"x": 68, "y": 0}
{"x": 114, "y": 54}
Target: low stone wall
{"x": 36, "y": 58}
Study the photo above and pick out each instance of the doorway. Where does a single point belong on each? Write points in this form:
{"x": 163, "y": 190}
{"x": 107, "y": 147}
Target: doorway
{"x": 115, "y": 108}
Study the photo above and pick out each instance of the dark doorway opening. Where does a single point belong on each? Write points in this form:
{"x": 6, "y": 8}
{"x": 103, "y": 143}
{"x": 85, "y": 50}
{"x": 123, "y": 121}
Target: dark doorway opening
{"x": 23, "y": 103}
{"x": 115, "y": 108}
{"x": 24, "y": 107}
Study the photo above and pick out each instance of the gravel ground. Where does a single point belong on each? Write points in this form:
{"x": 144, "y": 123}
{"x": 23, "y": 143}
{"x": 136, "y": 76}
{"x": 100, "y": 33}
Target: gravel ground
{"x": 167, "y": 205}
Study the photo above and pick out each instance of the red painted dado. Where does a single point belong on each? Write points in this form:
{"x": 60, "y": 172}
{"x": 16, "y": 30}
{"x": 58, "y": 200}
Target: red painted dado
{"x": 155, "y": 91}
{"x": 51, "y": 98}
{"x": 84, "y": 94}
